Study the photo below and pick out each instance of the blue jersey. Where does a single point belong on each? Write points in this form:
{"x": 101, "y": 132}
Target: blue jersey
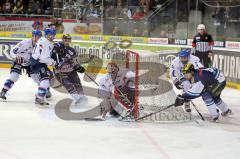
{"x": 203, "y": 78}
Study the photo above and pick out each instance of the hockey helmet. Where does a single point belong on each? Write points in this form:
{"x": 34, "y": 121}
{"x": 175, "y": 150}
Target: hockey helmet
{"x": 49, "y": 31}
{"x": 184, "y": 53}
{"x": 36, "y": 33}
{"x": 188, "y": 68}
{"x": 67, "y": 36}
{"x": 184, "y": 56}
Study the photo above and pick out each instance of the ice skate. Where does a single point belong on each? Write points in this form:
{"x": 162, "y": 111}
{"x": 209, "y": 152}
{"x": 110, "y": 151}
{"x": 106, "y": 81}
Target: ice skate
{"x": 187, "y": 107}
{"x": 3, "y": 95}
{"x": 49, "y": 94}
{"x": 228, "y": 112}
{"x": 216, "y": 119}
{"x": 41, "y": 103}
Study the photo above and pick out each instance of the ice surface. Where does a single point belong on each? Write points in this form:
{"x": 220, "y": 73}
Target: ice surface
{"x": 27, "y": 132}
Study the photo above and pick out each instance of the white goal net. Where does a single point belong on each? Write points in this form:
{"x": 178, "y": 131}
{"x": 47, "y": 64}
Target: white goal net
{"x": 153, "y": 91}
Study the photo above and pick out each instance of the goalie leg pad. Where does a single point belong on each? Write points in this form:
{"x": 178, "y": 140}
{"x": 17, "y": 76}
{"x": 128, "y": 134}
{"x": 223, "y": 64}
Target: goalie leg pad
{"x": 121, "y": 110}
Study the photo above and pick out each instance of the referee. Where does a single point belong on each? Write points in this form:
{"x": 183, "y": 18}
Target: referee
{"x": 203, "y": 46}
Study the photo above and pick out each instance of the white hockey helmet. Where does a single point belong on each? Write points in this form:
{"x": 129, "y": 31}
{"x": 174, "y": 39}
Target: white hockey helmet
{"x": 201, "y": 27}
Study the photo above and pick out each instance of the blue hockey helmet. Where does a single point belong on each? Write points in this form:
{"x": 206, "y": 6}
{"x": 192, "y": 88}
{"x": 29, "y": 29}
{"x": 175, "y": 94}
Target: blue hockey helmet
{"x": 36, "y": 33}
{"x": 184, "y": 53}
{"x": 49, "y": 31}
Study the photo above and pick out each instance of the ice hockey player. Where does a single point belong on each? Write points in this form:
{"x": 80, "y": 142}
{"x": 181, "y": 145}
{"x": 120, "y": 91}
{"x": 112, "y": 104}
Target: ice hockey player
{"x": 118, "y": 83}
{"x": 176, "y": 75}
{"x": 40, "y": 60}
{"x": 203, "y": 46}
{"x": 21, "y": 54}
{"x": 208, "y": 83}
{"x": 66, "y": 68}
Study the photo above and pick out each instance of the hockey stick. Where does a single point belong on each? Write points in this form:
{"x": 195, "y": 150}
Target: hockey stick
{"x": 91, "y": 78}
{"x": 145, "y": 116}
{"x": 198, "y": 111}
{"x": 87, "y": 61}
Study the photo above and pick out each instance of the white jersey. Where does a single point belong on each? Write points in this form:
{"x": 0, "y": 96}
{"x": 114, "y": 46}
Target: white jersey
{"x": 106, "y": 82}
{"x": 43, "y": 51}
{"x": 176, "y": 67}
{"x": 23, "y": 49}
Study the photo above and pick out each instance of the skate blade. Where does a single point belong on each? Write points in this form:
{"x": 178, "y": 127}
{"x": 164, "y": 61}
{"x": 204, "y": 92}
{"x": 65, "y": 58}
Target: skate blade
{"x": 95, "y": 119}
{"x": 3, "y": 100}
{"x": 45, "y": 105}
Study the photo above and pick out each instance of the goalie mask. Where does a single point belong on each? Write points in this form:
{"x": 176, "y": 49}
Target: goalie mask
{"x": 112, "y": 68}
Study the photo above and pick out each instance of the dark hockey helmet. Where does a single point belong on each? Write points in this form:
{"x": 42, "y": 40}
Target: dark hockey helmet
{"x": 112, "y": 67}
{"x": 67, "y": 36}
{"x": 188, "y": 68}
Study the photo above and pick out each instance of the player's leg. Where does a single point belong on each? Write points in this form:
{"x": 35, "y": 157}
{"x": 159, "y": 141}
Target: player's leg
{"x": 222, "y": 106}
{"x": 14, "y": 76}
{"x": 186, "y": 86}
{"x": 78, "y": 85}
{"x": 74, "y": 78}
{"x": 51, "y": 80}
{"x": 216, "y": 91}
{"x": 44, "y": 85}
{"x": 211, "y": 106}
{"x": 67, "y": 83}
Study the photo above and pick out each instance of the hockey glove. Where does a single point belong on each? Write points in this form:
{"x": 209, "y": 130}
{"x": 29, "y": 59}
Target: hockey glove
{"x": 80, "y": 69}
{"x": 19, "y": 59}
{"x": 59, "y": 65}
{"x": 179, "y": 101}
{"x": 178, "y": 84}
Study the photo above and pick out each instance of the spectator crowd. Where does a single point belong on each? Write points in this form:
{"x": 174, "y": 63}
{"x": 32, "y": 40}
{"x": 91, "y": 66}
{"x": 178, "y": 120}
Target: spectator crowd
{"x": 29, "y": 7}
{"x": 81, "y": 9}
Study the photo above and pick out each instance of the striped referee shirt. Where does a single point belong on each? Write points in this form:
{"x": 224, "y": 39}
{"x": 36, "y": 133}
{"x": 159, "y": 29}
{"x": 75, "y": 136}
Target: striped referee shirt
{"x": 202, "y": 43}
